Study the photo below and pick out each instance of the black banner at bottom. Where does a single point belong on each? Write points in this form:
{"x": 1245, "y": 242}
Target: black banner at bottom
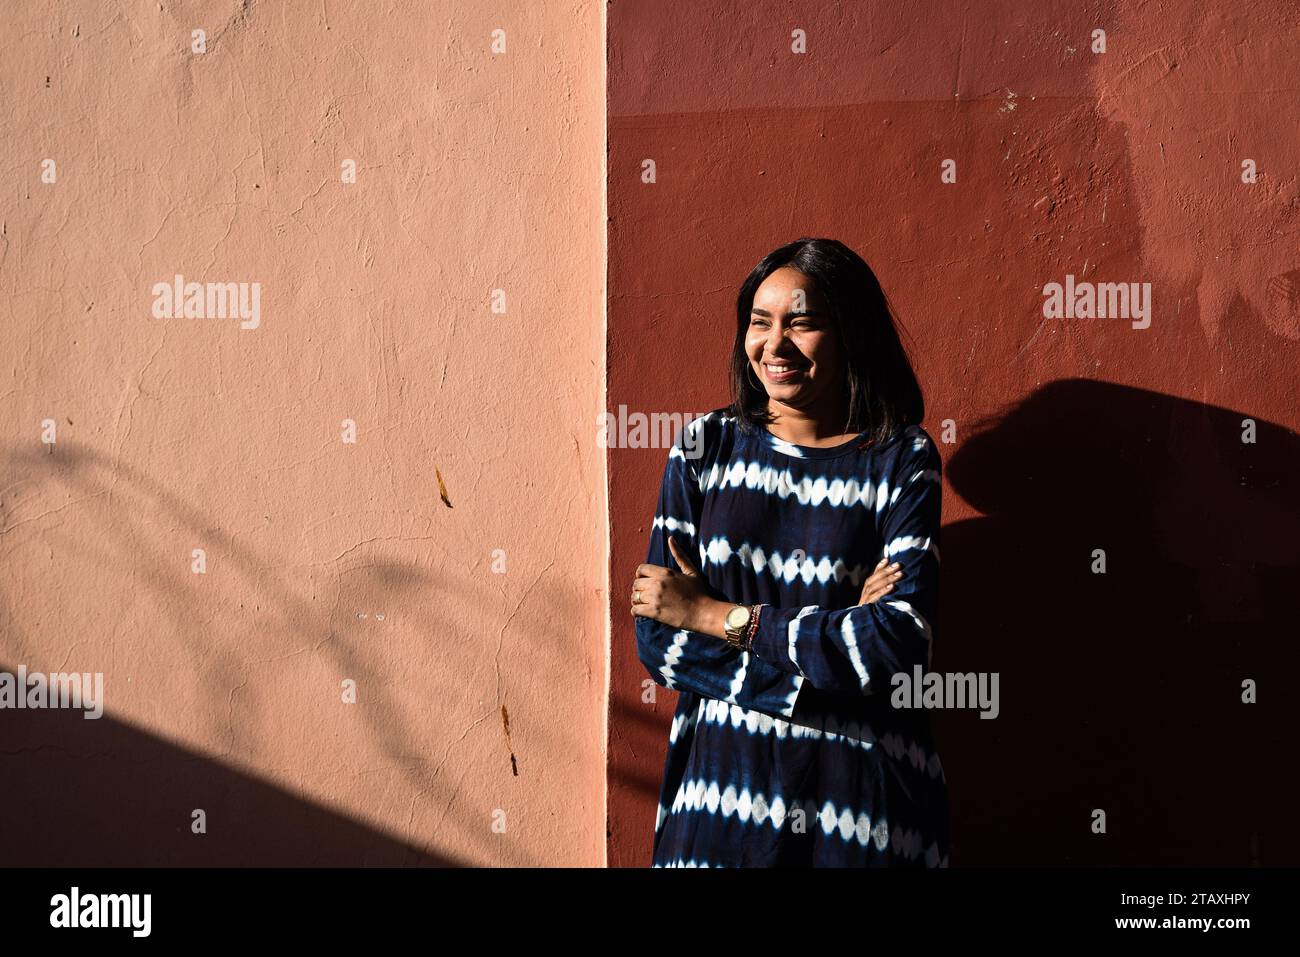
{"x": 372, "y": 905}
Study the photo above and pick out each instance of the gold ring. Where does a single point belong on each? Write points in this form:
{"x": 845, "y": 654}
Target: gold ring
{"x": 636, "y": 597}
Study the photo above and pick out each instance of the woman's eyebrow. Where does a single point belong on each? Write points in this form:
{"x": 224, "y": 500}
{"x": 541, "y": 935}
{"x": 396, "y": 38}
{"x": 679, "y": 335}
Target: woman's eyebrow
{"x": 807, "y": 312}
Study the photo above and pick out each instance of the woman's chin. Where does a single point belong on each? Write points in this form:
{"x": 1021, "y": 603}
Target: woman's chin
{"x": 789, "y": 394}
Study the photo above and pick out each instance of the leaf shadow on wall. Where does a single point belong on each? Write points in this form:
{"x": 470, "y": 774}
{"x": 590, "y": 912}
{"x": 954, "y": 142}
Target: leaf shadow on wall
{"x": 103, "y": 792}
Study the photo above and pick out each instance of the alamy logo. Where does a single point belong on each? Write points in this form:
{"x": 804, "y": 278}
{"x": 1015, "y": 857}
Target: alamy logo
{"x": 102, "y": 910}
{"x": 179, "y": 299}
{"x": 1103, "y": 300}
{"x": 657, "y": 430}
{"x": 934, "y": 689}
{"x": 58, "y": 689}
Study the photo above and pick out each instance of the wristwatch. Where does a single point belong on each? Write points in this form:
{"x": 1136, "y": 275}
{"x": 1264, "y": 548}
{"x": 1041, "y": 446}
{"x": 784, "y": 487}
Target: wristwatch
{"x": 737, "y": 625}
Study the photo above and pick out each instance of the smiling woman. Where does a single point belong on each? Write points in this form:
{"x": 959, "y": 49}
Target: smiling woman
{"x": 792, "y": 342}
{"x": 765, "y": 601}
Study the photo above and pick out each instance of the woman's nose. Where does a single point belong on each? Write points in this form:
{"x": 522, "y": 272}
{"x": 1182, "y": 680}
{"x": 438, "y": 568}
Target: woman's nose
{"x": 774, "y": 340}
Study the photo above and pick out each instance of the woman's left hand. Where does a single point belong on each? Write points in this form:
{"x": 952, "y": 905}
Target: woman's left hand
{"x": 678, "y": 599}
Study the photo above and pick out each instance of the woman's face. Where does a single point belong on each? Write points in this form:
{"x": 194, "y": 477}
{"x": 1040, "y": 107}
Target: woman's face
{"x": 790, "y": 327}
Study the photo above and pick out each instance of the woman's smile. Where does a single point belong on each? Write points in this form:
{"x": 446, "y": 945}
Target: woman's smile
{"x": 778, "y": 372}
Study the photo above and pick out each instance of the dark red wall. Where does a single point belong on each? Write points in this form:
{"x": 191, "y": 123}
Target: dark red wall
{"x": 1120, "y": 691}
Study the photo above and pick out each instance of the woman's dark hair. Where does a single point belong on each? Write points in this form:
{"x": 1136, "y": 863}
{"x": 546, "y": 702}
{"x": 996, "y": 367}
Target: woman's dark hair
{"x": 883, "y": 393}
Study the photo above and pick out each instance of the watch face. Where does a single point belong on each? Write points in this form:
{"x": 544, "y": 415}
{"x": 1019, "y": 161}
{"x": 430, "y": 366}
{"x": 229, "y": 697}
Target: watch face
{"x": 737, "y": 617}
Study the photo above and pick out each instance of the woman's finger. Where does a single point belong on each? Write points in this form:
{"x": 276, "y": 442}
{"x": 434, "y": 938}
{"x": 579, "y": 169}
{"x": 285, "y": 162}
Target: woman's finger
{"x": 679, "y": 553}
{"x": 880, "y": 581}
{"x": 875, "y": 576}
{"x": 876, "y": 595}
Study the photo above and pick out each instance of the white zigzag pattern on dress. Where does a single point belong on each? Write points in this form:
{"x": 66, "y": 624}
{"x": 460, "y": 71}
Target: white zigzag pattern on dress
{"x": 719, "y": 551}
{"x": 922, "y": 625}
{"x": 700, "y": 795}
{"x": 673, "y": 655}
{"x": 693, "y": 427}
{"x": 809, "y": 490}
{"x": 676, "y": 453}
{"x": 907, "y": 543}
{"x": 792, "y": 632}
{"x": 856, "y": 734}
{"x": 925, "y": 475}
{"x": 851, "y": 643}
{"x": 673, "y": 524}
{"x": 781, "y": 445}
{"x": 681, "y": 722}
{"x": 721, "y": 417}
{"x": 678, "y": 862}
{"x": 846, "y": 632}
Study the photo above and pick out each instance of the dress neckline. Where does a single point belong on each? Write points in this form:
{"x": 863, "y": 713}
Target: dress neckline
{"x": 861, "y": 441}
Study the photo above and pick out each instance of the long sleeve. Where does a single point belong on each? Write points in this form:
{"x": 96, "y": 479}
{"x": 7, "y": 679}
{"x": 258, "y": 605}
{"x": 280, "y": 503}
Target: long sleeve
{"x": 857, "y": 650}
{"x": 687, "y": 660}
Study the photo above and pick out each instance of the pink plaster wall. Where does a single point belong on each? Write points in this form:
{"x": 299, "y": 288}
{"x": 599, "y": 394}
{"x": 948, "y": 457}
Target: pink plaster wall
{"x": 326, "y": 561}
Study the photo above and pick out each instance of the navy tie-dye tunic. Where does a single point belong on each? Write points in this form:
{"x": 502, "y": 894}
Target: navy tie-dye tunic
{"x": 794, "y": 756}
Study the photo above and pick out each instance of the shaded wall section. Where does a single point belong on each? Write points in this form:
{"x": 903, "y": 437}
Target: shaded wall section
{"x": 376, "y": 479}
{"x": 1169, "y": 159}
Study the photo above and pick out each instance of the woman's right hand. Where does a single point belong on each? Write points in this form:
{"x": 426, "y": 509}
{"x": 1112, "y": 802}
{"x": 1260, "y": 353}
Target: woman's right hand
{"x": 880, "y": 582}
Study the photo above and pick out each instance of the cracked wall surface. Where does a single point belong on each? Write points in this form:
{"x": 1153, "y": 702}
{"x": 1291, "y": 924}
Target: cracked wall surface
{"x": 445, "y": 308}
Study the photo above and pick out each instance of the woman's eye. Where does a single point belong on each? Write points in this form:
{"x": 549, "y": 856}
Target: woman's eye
{"x": 802, "y": 326}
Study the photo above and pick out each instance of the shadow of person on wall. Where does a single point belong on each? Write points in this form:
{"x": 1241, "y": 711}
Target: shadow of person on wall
{"x": 1130, "y": 578}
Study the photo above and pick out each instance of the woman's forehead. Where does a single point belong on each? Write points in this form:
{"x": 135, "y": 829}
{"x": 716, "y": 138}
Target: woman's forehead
{"x": 778, "y": 290}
